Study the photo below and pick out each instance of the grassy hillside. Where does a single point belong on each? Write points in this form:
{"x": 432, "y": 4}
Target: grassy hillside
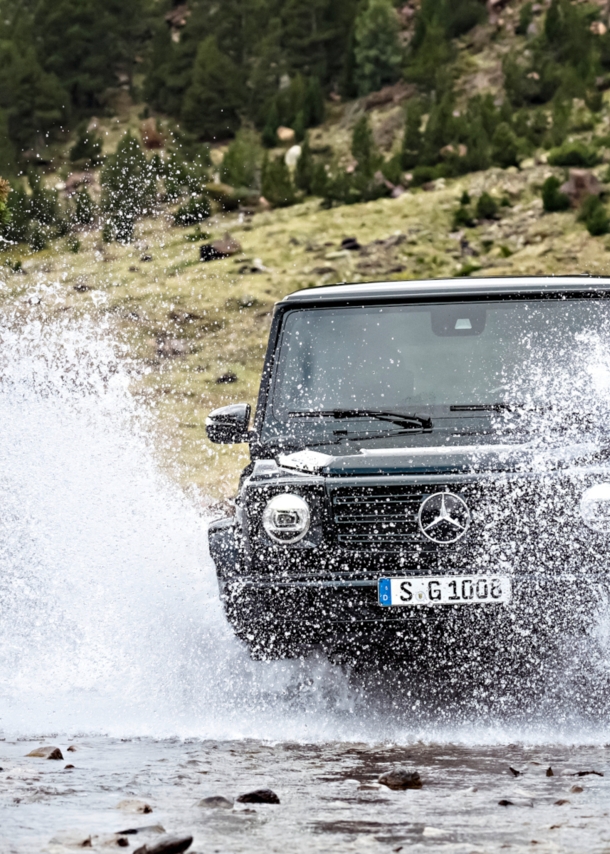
{"x": 191, "y": 323}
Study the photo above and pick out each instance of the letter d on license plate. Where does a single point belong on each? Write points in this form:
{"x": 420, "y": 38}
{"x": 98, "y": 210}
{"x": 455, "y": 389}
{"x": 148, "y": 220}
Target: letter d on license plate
{"x": 445, "y": 590}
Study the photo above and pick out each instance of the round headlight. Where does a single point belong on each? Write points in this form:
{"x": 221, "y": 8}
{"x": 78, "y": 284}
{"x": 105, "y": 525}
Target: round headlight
{"x": 595, "y": 507}
{"x": 286, "y": 518}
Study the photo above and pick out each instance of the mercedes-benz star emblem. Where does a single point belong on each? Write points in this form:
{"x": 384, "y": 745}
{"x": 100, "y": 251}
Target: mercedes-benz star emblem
{"x": 443, "y": 517}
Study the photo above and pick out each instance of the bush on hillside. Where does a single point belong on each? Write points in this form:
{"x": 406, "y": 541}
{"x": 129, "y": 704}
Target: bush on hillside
{"x": 487, "y": 207}
{"x": 84, "y": 209}
{"x": 128, "y": 190}
{"x": 242, "y": 162}
{"x": 594, "y": 215}
{"x": 87, "y": 149}
{"x": 505, "y": 146}
{"x": 197, "y": 209}
{"x": 211, "y": 104}
{"x": 377, "y": 48}
{"x": 277, "y": 185}
{"x": 305, "y": 169}
{"x": 573, "y": 154}
{"x": 553, "y": 199}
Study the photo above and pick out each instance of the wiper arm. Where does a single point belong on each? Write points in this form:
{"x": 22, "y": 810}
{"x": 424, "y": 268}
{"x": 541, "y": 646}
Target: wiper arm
{"x": 483, "y": 407}
{"x": 415, "y": 422}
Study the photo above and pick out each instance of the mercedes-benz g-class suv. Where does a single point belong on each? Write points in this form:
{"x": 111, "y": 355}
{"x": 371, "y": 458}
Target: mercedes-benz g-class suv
{"x": 424, "y": 455}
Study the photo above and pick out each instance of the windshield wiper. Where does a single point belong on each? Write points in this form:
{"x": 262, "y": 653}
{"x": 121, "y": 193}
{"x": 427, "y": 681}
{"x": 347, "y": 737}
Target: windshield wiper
{"x": 483, "y": 407}
{"x": 411, "y": 421}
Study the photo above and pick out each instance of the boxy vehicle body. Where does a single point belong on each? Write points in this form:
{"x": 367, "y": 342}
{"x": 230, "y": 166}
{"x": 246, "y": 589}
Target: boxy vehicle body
{"x": 427, "y": 459}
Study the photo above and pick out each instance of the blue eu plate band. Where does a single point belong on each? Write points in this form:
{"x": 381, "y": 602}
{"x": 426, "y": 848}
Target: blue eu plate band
{"x": 385, "y": 591}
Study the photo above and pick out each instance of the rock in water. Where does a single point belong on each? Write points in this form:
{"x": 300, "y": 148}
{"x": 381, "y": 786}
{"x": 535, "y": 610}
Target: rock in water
{"x": 215, "y": 802}
{"x": 166, "y": 845}
{"x": 134, "y": 805}
{"x": 399, "y": 778}
{"x": 259, "y": 796}
{"x": 46, "y": 753}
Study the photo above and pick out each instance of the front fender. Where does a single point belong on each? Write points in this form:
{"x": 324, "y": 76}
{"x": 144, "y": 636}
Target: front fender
{"x": 225, "y": 550}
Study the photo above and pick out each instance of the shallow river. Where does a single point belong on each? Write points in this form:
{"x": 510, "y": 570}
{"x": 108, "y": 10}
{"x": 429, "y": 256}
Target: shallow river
{"x": 112, "y": 640}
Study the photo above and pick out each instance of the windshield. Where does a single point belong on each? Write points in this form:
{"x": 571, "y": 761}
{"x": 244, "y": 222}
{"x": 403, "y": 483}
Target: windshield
{"x": 443, "y": 358}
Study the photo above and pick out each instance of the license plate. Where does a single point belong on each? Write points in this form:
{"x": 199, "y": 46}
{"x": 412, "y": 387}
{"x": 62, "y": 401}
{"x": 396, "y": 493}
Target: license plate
{"x": 445, "y": 590}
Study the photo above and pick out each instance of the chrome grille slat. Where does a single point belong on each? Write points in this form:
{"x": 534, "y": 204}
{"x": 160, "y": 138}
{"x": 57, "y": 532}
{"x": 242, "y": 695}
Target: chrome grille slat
{"x": 384, "y": 516}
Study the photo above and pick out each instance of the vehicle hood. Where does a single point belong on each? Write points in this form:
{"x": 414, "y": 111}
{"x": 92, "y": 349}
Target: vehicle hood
{"x": 448, "y": 459}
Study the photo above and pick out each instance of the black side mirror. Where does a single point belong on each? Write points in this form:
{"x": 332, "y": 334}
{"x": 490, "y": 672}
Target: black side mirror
{"x": 229, "y": 424}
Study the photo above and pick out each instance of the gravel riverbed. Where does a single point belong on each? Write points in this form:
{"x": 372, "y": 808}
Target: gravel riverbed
{"x": 330, "y": 800}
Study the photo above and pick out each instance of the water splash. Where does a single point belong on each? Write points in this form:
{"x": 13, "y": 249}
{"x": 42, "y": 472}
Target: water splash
{"x": 109, "y": 614}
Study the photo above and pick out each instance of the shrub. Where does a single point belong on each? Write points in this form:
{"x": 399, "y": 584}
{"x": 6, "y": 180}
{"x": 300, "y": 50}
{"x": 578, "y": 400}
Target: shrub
{"x": 363, "y": 146}
{"x": 241, "y": 164}
{"x": 377, "y": 49}
{"x": 573, "y": 154}
{"x": 17, "y": 227}
{"x": 87, "y": 148}
{"x": 277, "y": 185}
{"x": 463, "y": 218}
{"x": 412, "y": 140}
{"x": 594, "y": 215}
{"x": 392, "y": 169}
{"x": 84, "y": 209}
{"x": 487, "y": 207}
{"x": 526, "y": 16}
{"x": 505, "y": 146}
{"x": 552, "y": 199}
{"x": 195, "y": 210}
{"x": 598, "y": 222}
{"x": 128, "y": 189}
{"x": 424, "y": 174}
{"x": 5, "y": 189}
{"x": 304, "y": 171}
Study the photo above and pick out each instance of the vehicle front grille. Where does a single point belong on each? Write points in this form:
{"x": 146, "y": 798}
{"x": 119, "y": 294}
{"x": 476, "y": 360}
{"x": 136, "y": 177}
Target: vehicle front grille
{"x": 383, "y": 516}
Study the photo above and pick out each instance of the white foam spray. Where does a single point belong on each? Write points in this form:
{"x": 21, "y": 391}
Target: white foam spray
{"x": 109, "y": 614}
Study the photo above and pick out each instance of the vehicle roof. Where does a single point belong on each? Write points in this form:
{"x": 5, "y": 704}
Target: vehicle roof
{"x": 483, "y": 288}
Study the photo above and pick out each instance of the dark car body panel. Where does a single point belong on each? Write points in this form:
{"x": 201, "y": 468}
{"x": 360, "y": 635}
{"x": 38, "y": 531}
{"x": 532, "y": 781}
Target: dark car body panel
{"x": 364, "y": 504}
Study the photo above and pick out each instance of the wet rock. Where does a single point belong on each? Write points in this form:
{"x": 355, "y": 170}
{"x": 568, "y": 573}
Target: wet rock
{"x": 148, "y": 828}
{"x": 515, "y": 802}
{"x": 168, "y": 844}
{"x": 208, "y": 253}
{"x": 229, "y": 377}
{"x": 350, "y": 243}
{"x": 227, "y": 245}
{"x": 586, "y": 773}
{"x": 259, "y": 796}
{"x": 215, "y": 802}
{"x": 68, "y": 767}
{"x": 549, "y": 772}
{"x": 46, "y": 753}
{"x": 72, "y": 839}
{"x": 514, "y": 771}
{"x": 561, "y": 802}
{"x": 171, "y": 347}
{"x": 134, "y": 805}
{"x": 575, "y": 789}
{"x": 400, "y": 778}
{"x": 221, "y": 248}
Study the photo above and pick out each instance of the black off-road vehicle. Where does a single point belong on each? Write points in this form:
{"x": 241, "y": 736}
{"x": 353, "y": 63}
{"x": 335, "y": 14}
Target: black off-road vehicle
{"x": 426, "y": 456}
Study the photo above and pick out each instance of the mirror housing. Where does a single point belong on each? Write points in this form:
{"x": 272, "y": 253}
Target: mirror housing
{"x": 229, "y": 424}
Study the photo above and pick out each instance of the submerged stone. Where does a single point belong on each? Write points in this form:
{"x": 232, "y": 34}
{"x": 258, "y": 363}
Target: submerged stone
{"x": 400, "y": 778}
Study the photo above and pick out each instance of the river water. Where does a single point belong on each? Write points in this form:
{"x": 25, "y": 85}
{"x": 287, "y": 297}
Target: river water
{"x": 112, "y": 640}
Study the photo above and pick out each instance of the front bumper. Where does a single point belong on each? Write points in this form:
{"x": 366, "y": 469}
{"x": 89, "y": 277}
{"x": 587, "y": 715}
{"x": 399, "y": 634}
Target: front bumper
{"x": 538, "y": 600}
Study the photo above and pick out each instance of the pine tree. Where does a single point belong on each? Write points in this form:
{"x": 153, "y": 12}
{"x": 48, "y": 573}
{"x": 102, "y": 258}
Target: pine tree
{"x": 84, "y": 209}
{"x": 363, "y": 147}
{"x": 412, "y": 140}
{"x": 87, "y": 148}
{"x": 271, "y": 125}
{"x": 33, "y": 101}
{"x": 276, "y": 183}
{"x": 5, "y": 189}
{"x": 314, "y": 103}
{"x": 505, "y": 146}
{"x": 241, "y": 164}
{"x": 128, "y": 189}
{"x": 377, "y": 50}
{"x": 304, "y": 172}
{"x": 213, "y": 100}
